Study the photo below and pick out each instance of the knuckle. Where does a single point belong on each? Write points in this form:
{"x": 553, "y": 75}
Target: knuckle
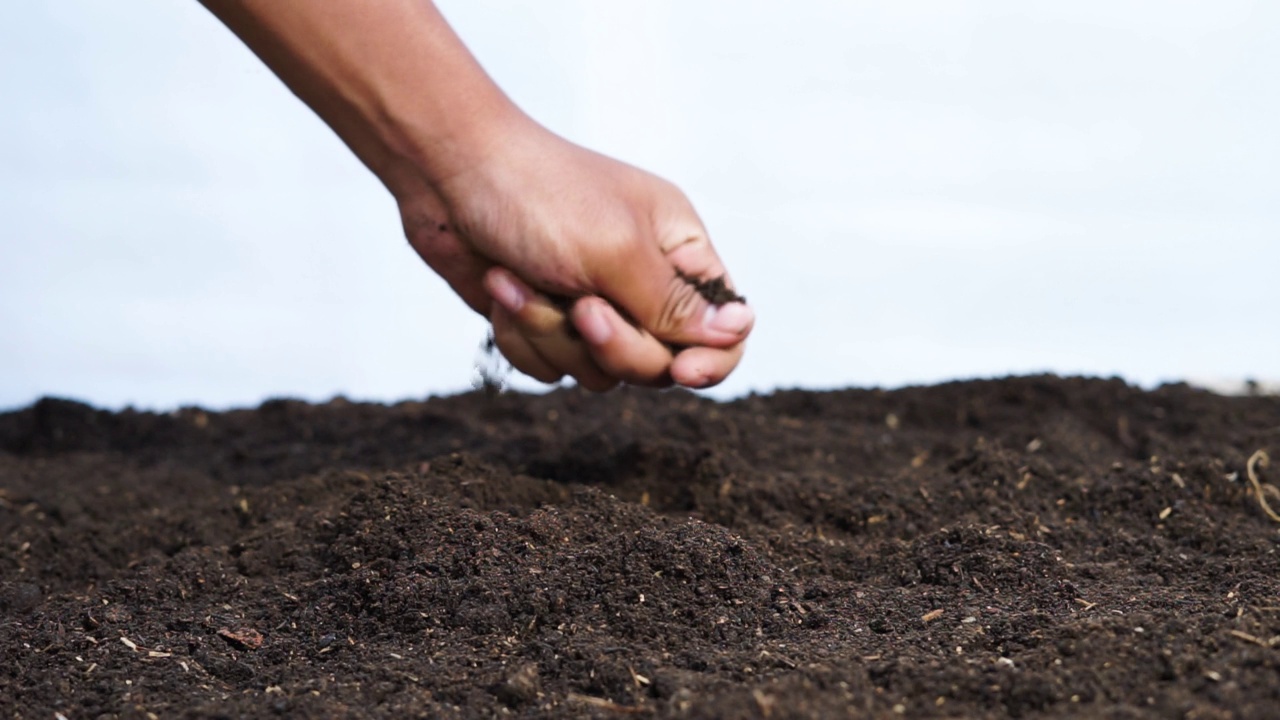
{"x": 684, "y": 241}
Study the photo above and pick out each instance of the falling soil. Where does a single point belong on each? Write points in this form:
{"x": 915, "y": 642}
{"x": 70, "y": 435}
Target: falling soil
{"x": 1029, "y": 547}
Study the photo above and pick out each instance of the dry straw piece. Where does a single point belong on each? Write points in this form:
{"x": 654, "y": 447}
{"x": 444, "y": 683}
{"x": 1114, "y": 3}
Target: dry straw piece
{"x": 1261, "y": 459}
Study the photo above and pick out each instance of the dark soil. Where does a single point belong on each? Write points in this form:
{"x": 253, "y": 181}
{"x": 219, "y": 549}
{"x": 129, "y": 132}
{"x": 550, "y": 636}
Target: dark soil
{"x": 715, "y": 291}
{"x": 1031, "y": 547}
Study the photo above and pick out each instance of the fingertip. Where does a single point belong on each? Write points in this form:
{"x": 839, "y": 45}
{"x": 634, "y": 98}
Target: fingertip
{"x": 506, "y": 289}
{"x": 731, "y": 319}
{"x": 703, "y": 367}
{"x": 693, "y": 376}
{"x": 591, "y": 317}
{"x": 619, "y": 348}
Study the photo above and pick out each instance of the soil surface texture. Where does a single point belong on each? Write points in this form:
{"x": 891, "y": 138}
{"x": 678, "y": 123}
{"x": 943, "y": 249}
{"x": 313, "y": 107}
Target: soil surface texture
{"x": 1027, "y": 547}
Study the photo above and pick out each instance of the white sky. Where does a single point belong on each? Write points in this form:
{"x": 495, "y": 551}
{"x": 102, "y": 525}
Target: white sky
{"x": 907, "y": 192}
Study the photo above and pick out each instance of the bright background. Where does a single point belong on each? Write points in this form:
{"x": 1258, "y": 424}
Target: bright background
{"x": 907, "y": 192}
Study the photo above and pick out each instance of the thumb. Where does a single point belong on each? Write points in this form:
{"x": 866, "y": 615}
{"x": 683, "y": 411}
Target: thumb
{"x": 681, "y": 295}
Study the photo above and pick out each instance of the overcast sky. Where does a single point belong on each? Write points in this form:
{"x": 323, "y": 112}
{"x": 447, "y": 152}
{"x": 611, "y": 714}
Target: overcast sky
{"x": 906, "y": 192}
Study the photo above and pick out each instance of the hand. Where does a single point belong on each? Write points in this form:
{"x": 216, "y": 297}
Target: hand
{"x": 558, "y": 246}
{"x": 581, "y": 262}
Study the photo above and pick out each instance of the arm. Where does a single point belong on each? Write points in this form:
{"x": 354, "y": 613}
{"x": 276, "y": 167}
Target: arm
{"x": 506, "y": 212}
{"x": 390, "y": 77}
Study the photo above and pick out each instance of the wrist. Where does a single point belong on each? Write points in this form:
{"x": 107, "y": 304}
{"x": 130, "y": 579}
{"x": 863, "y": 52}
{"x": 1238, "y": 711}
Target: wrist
{"x": 435, "y": 141}
{"x": 390, "y": 77}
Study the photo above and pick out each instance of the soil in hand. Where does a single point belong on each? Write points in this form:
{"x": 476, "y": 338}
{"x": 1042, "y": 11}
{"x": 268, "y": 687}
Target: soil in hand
{"x": 715, "y": 290}
{"x": 1029, "y": 547}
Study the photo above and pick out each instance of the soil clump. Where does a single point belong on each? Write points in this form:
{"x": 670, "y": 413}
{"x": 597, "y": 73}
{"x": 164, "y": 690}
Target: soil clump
{"x": 715, "y": 290}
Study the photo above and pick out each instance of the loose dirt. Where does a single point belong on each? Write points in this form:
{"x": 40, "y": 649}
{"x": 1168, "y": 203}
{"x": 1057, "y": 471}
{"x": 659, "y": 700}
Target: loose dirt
{"x": 1029, "y": 547}
{"x": 715, "y": 291}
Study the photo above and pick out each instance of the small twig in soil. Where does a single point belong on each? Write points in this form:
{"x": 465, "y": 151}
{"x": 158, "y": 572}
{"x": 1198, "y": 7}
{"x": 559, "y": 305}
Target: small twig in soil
{"x": 604, "y": 704}
{"x": 637, "y": 678}
{"x": 932, "y": 615}
{"x": 138, "y": 648}
{"x": 782, "y": 659}
{"x": 1239, "y": 635}
{"x": 1260, "y": 459}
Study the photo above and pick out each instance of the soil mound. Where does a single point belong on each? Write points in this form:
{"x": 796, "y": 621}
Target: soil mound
{"x": 1026, "y": 547}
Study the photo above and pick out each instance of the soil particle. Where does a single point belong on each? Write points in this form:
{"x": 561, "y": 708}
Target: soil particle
{"x": 242, "y": 638}
{"x": 1027, "y": 547}
{"x": 521, "y": 687}
{"x": 715, "y": 290}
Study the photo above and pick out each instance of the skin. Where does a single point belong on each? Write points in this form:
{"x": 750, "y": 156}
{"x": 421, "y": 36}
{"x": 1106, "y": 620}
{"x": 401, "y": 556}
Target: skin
{"x": 571, "y": 255}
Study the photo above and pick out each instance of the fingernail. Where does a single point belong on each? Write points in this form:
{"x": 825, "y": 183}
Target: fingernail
{"x": 594, "y": 326}
{"x": 506, "y": 292}
{"x": 733, "y": 318}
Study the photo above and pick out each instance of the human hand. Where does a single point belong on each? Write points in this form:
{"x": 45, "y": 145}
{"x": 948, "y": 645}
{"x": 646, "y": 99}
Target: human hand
{"x": 585, "y": 266}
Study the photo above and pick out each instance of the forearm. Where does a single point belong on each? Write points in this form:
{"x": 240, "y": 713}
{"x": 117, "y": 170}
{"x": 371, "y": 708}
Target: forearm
{"x": 389, "y": 76}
